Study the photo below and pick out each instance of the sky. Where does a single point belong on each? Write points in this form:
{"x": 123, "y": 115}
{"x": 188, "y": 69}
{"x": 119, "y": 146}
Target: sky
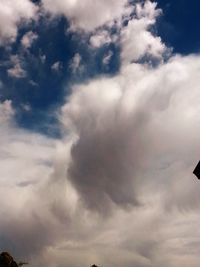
{"x": 99, "y": 132}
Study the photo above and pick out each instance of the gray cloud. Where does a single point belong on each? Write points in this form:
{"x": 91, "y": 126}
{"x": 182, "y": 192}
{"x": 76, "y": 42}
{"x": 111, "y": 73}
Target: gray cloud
{"x": 135, "y": 134}
{"x": 103, "y": 164}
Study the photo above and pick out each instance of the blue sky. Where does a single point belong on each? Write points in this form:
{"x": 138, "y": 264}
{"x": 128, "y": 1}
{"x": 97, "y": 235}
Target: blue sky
{"x": 99, "y": 132}
{"x": 179, "y": 25}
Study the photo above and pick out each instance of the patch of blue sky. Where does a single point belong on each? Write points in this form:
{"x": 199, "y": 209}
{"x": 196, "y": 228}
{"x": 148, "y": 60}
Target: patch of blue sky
{"x": 48, "y": 77}
{"x": 179, "y": 25}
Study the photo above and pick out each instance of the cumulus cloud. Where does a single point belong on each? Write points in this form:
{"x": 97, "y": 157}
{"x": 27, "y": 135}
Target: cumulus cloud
{"x": 136, "y": 38}
{"x": 120, "y": 125}
{"x": 136, "y": 143}
{"x": 87, "y": 14}
{"x": 12, "y": 13}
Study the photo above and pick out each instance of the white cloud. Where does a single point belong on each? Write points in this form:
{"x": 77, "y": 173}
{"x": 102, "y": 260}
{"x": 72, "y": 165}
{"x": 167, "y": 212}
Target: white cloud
{"x": 33, "y": 179}
{"x": 136, "y": 38}
{"x": 6, "y": 112}
{"x": 16, "y": 70}
{"x": 28, "y": 39}
{"x": 87, "y": 14}
{"x": 12, "y": 13}
{"x": 100, "y": 38}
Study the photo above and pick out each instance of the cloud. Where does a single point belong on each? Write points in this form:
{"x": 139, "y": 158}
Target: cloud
{"x": 29, "y": 165}
{"x": 100, "y": 38}
{"x": 121, "y": 127}
{"x": 12, "y": 13}
{"x": 16, "y": 70}
{"x": 28, "y": 39}
{"x": 56, "y": 66}
{"x": 87, "y": 14}
{"x": 100, "y": 150}
{"x": 107, "y": 58}
{"x": 119, "y": 181}
{"x": 6, "y": 112}
{"x": 76, "y": 65}
{"x": 135, "y": 146}
{"x": 136, "y": 38}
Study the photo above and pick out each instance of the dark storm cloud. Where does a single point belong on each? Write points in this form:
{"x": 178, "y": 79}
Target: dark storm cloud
{"x": 105, "y": 161}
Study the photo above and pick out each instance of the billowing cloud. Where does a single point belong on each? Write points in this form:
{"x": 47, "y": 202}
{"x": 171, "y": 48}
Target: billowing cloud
{"x": 87, "y": 14}
{"x": 136, "y": 143}
{"x": 117, "y": 188}
{"x": 12, "y": 13}
{"x": 136, "y": 38}
{"x": 121, "y": 127}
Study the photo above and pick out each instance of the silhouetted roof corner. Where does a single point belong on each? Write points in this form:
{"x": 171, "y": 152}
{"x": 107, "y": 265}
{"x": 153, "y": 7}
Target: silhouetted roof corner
{"x": 197, "y": 170}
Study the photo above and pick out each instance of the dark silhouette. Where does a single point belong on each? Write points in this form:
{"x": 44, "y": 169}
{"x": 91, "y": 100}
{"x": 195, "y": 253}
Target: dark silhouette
{"x": 197, "y": 170}
{"x": 6, "y": 260}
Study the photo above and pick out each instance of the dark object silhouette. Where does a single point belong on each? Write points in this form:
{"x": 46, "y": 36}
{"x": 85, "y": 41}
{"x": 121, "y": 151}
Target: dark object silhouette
{"x": 197, "y": 170}
{"x": 6, "y": 260}
{"x": 13, "y": 264}
{"x": 94, "y": 265}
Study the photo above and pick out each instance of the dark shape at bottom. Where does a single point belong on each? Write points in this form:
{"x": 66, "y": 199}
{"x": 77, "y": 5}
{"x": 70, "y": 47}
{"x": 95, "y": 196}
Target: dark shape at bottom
{"x": 197, "y": 170}
{"x": 6, "y": 260}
